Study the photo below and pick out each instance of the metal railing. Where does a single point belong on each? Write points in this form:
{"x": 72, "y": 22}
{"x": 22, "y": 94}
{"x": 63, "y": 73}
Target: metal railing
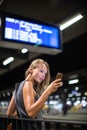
{"x": 43, "y": 124}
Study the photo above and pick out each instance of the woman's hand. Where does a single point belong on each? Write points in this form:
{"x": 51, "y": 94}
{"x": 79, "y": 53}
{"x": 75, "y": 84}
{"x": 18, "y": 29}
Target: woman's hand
{"x": 54, "y": 85}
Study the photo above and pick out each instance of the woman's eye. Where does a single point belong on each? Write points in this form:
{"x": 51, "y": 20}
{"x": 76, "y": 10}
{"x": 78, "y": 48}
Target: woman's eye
{"x": 41, "y": 71}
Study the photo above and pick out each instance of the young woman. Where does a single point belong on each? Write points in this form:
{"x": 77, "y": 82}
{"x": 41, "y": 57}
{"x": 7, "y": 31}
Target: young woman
{"x": 30, "y": 95}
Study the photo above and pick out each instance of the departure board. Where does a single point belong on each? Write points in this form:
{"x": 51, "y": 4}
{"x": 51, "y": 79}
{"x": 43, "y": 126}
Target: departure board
{"x": 31, "y": 32}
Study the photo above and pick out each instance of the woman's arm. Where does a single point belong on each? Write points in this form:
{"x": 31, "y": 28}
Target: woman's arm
{"x": 12, "y": 108}
{"x": 32, "y": 107}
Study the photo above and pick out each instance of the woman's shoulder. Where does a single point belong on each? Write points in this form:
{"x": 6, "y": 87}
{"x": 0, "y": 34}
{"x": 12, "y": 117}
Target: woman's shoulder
{"x": 28, "y": 85}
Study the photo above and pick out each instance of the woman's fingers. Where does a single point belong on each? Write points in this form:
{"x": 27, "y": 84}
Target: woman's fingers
{"x": 58, "y": 84}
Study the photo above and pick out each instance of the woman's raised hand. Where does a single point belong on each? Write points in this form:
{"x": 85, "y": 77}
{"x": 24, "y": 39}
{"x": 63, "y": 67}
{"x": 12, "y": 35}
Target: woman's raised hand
{"x": 54, "y": 85}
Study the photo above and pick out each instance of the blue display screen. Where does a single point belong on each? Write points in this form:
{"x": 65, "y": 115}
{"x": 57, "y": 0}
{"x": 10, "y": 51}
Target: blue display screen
{"x": 28, "y": 32}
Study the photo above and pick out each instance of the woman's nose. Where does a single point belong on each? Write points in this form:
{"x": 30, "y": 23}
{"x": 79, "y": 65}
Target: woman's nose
{"x": 43, "y": 75}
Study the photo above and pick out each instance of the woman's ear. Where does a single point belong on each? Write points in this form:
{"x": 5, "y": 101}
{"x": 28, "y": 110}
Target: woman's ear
{"x": 30, "y": 70}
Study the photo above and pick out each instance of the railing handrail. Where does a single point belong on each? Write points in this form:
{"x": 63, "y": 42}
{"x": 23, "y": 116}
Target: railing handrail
{"x": 47, "y": 120}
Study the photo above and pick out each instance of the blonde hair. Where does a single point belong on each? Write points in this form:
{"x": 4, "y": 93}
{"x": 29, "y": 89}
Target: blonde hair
{"x": 33, "y": 65}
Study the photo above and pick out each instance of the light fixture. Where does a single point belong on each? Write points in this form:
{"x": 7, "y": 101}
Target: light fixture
{"x": 8, "y": 60}
{"x": 71, "y": 21}
{"x": 73, "y": 81}
{"x": 24, "y": 50}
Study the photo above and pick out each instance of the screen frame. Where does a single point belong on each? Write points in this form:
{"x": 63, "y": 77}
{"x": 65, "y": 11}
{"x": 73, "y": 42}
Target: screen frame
{"x": 31, "y": 46}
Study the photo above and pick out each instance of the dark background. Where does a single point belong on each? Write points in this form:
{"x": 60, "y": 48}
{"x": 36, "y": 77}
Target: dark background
{"x": 74, "y": 39}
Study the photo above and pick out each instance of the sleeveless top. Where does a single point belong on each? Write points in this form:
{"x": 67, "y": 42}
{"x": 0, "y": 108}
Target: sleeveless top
{"x": 18, "y": 97}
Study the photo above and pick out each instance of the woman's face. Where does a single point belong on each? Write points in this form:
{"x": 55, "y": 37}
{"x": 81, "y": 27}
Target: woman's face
{"x": 39, "y": 73}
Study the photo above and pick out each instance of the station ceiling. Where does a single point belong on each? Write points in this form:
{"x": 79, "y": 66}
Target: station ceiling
{"x": 74, "y": 38}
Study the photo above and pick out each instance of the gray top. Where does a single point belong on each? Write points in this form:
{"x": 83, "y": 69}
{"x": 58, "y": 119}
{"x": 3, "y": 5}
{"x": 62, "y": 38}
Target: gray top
{"x": 18, "y": 96}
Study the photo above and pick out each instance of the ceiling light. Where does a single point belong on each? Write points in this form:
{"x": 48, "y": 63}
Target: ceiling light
{"x": 74, "y": 81}
{"x": 70, "y": 21}
{"x": 24, "y": 50}
{"x": 8, "y": 60}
